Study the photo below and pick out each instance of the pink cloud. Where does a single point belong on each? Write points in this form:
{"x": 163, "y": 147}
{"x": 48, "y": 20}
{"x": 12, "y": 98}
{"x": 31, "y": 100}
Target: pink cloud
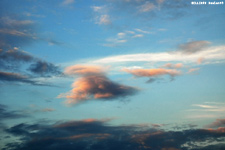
{"x": 93, "y": 84}
{"x": 152, "y": 72}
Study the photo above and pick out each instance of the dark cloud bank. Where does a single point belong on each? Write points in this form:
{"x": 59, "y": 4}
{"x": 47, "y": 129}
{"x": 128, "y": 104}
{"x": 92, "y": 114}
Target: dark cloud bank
{"x": 16, "y": 31}
{"x": 94, "y": 134}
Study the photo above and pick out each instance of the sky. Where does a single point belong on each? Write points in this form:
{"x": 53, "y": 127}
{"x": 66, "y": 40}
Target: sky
{"x": 112, "y": 74}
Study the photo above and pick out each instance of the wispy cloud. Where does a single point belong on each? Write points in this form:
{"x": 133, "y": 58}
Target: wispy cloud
{"x": 124, "y": 37}
{"x": 207, "y": 110}
{"x": 218, "y": 123}
{"x": 5, "y": 113}
{"x": 212, "y": 54}
{"x": 152, "y": 72}
{"x": 14, "y": 61}
{"x": 146, "y": 7}
{"x": 68, "y": 2}
{"x": 193, "y": 47}
{"x": 193, "y": 70}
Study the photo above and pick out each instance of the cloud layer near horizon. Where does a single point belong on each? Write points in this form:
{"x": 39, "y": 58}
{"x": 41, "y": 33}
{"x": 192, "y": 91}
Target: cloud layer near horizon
{"x": 95, "y": 134}
{"x": 93, "y": 84}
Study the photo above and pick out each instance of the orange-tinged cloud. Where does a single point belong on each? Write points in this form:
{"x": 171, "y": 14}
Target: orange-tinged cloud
{"x": 192, "y": 70}
{"x": 93, "y": 84}
{"x": 152, "y": 72}
{"x": 83, "y": 70}
{"x": 218, "y": 130}
{"x": 88, "y": 135}
{"x": 173, "y": 66}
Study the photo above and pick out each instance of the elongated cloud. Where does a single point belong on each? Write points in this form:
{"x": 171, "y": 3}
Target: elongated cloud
{"x": 15, "y": 77}
{"x": 93, "y": 84}
{"x": 193, "y": 47}
{"x": 92, "y": 134}
{"x": 152, "y": 72}
{"x": 211, "y": 54}
{"x": 173, "y": 66}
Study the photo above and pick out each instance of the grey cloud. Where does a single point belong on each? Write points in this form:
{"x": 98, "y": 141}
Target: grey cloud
{"x": 7, "y": 114}
{"x": 193, "y": 47}
{"x": 44, "y": 68}
{"x": 15, "y": 77}
{"x": 97, "y": 134}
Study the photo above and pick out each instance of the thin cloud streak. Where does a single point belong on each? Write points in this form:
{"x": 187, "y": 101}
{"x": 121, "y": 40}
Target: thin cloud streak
{"x": 211, "y": 54}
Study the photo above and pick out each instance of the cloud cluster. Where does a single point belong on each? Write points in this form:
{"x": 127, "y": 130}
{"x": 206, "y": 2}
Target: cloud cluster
{"x": 93, "y": 84}
{"x": 125, "y": 36}
{"x": 17, "y": 65}
{"x": 95, "y": 134}
{"x": 14, "y": 60}
{"x": 115, "y": 10}
{"x": 153, "y": 74}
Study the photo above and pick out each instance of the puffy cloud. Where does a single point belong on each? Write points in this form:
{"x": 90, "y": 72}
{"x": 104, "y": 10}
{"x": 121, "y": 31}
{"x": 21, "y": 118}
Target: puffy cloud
{"x": 97, "y": 134}
{"x": 193, "y": 47}
{"x": 152, "y": 72}
{"x": 93, "y": 85}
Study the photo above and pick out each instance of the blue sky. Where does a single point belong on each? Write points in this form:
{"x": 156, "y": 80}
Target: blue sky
{"x": 153, "y": 66}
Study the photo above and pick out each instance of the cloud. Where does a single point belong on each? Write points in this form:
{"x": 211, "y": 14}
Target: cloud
{"x": 103, "y": 19}
{"x": 93, "y": 84}
{"x": 15, "y": 60}
{"x": 7, "y": 114}
{"x": 98, "y": 134}
{"x": 193, "y": 70}
{"x": 44, "y": 69}
{"x": 211, "y": 54}
{"x": 16, "y": 32}
{"x": 15, "y": 77}
{"x": 173, "y": 66}
{"x": 68, "y": 2}
{"x": 152, "y": 72}
{"x": 193, "y": 47}
{"x": 83, "y": 70}
{"x": 138, "y": 36}
{"x": 147, "y": 7}
{"x": 124, "y": 37}
{"x": 217, "y": 123}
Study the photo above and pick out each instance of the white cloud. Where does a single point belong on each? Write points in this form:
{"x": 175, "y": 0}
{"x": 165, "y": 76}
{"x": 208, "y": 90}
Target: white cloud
{"x": 147, "y": 7}
{"x": 142, "y": 31}
{"x": 137, "y": 36}
{"x": 104, "y": 19}
{"x": 213, "y": 54}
